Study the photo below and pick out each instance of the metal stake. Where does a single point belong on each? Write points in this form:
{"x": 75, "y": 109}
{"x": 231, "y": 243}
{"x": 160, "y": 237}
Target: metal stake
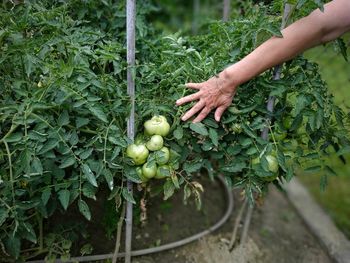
{"x": 130, "y": 45}
{"x": 226, "y": 10}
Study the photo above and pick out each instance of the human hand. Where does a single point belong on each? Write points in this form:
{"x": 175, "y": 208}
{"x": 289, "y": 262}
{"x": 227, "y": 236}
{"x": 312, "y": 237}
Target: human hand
{"x": 216, "y": 93}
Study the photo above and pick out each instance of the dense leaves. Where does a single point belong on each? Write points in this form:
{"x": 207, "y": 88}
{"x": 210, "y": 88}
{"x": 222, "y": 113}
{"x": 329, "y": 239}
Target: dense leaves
{"x": 63, "y": 110}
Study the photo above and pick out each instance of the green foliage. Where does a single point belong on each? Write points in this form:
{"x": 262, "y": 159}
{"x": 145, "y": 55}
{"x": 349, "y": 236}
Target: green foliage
{"x": 64, "y": 109}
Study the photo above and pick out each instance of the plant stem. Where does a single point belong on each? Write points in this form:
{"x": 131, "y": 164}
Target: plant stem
{"x": 119, "y": 233}
{"x": 13, "y": 128}
{"x": 41, "y": 232}
{"x": 11, "y": 171}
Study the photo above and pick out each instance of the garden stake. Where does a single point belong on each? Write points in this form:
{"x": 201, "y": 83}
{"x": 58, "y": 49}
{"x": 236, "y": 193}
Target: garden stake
{"x": 226, "y": 10}
{"x": 130, "y": 45}
{"x": 196, "y": 7}
{"x": 288, "y": 8}
{"x": 237, "y": 222}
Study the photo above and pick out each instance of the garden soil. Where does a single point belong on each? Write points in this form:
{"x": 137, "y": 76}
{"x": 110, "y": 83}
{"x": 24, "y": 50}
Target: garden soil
{"x": 277, "y": 233}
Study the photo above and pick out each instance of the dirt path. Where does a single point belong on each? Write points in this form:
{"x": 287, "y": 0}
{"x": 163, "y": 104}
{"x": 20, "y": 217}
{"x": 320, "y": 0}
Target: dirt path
{"x": 277, "y": 235}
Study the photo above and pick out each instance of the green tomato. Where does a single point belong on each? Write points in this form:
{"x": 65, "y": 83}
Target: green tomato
{"x": 155, "y": 143}
{"x": 287, "y": 122}
{"x": 158, "y": 125}
{"x": 138, "y": 153}
{"x": 163, "y": 171}
{"x": 162, "y": 156}
{"x": 143, "y": 178}
{"x": 149, "y": 171}
{"x": 272, "y": 164}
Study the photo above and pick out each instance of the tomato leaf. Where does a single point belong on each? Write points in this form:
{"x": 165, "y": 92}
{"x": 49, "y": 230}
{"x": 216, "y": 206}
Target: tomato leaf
{"x": 235, "y": 167}
{"x": 178, "y": 133}
{"x": 169, "y": 189}
{"x": 199, "y": 128}
{"x": 89, "y": 174}
{"x": 63, "y": 196}
{"x": 13, "y": 245}
{"x": 128, "y": 196}
{"x": 98, "y": 112}
{"x": 45, "y": 196}
{"x": 66, "y": 162}
{"x": 84, "y": 209}
{"x": 213, "y": 135}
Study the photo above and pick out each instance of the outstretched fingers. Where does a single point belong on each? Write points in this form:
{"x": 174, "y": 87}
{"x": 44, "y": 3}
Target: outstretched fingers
{"x": 196, "y": 108}
{"x": 219, "y": 111}
{"x": 188, "y": 98}
{"x": 193, "y": 85}
{"x": 204, "y": 113}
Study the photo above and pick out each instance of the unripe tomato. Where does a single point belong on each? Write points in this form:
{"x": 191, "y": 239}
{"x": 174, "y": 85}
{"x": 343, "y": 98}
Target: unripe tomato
{"x": 143, "y": 178}
{"x": 163, "y": 171}
{"x": 155, "y": 143}
{"x": 149, "y": 171}
{"x": 272, "y": 165}
{"x": 162, "y": 156}
{"x": 138, "y": 153}
{"x": 287, "y": 122}
{"x": 158, "y": 125}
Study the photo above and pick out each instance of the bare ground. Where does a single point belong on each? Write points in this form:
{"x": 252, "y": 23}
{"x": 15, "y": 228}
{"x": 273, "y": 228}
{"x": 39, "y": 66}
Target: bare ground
{"x": 277, "y": 235}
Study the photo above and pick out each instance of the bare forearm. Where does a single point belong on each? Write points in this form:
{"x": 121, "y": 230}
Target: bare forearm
{"x": 319, "y": 27}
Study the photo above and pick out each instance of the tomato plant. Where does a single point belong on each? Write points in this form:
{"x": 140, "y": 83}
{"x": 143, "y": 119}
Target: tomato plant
{"x": 64, "y": 105}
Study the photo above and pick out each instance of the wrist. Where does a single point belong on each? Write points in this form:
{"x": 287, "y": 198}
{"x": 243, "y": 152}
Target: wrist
{"x": 230, "y": 77}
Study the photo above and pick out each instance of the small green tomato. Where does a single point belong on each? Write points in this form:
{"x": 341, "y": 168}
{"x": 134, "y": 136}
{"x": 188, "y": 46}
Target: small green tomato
{"x": 138, "y": 153}
{"x": 162, "y": 156}
{"x": 155, "y": 143}
{"x": 149, "y": 171}
{"x": 143, "y": 178}
{"x": 163, "y": 171}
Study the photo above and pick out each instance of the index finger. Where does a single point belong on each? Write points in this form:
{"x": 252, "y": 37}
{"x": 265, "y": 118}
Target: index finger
{"x": 188, "y": 98}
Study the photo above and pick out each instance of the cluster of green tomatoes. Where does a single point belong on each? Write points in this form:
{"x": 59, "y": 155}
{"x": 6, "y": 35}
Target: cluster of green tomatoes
{"x": 149, "y": 153}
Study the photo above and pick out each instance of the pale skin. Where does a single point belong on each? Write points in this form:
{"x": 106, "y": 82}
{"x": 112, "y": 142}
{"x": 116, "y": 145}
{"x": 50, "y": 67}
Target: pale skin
{"x": 317, "y": 28}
